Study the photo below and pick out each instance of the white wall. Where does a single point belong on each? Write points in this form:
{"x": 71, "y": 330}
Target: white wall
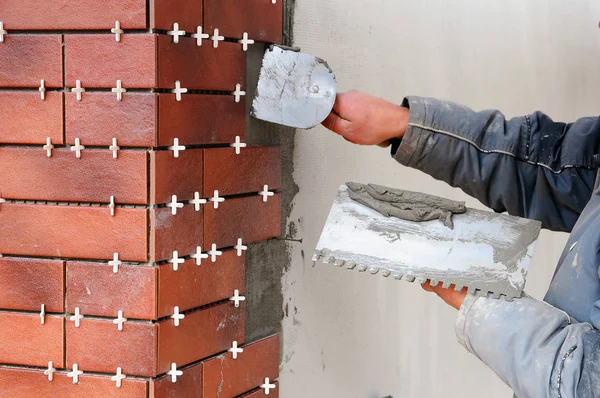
{"x": 356, "y": 335}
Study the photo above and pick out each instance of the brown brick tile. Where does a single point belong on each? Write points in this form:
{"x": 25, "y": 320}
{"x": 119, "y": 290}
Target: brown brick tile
{"x": 27, "y": 59}
{"x": 97, "y": 290}
{"x": 188, "y": 385}
{"x": 26, "y": 341}
{"x": 225, "y": 376}
{"x": 187, "y": 13}
{"x": 261, "y": 393}
{"x": 26, "y": 383}
{"x": 180, "y": 176}
{"x": 199, "y": 335}
{"x": 193, "y": 286}
{"x": 26, "y": 119}
{"x": 99, "y": 117}
{"x": 27, "y": 173}
{"x": 27, "y": 283}
{"x": 80, "y": 14}
{"x": 48, "y": 230}
{"x": 203, "y": 67}
{"x": 188, "y": 119}
{"x": 96, "y": 345}
{"x": 99, "y": 60}
{"x": 181, "y": 232}
{"x": 248, "y": 171}
{"x": 262, "y": 19}
{"x": 248, "y": 218}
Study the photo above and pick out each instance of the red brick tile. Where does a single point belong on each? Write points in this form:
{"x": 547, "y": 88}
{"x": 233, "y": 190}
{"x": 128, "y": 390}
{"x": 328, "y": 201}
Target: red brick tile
{"x": 187, "y": 13}
{"x": 49, "y": 230}
{"x": 248, "y": 171}
{"x": 180, "y": 176}
{"x": 65, "y": 14}
{"x": 199, "y": 335}
{"x": 99, "y": 60}
{"x": 99, "y": 117}
{"x": 96, "y": 345}
{"x": 26, "y": 119}
{"x": 26, "y": 341}
{"x": 200, "y": 119}
{"x": 27, "y": 59}
{"x": 260, "y": 393}
{"x": 262, "y": 19}
{"x": 97, "y": 290}
{"x": 27, "y": 283}
{"x": 25, "y": 383}
{"x": 225, "y": 376}
{"x": 181, "y": 232}
{"x": 188, "y": 385}
{"x": 27, "y": 173}
{"x": 248, "y": 218}
{"x": 204, "y": 67}
{"x": 193, "y": 286}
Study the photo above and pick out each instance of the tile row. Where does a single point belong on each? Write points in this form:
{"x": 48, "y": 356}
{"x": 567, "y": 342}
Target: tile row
{"x": 139, "y": 119}
{"x": 138, "y": 61}
{"x": 262, "y": 20}
{"x": 137, "y": 177}
{"x": 135, "y": 234}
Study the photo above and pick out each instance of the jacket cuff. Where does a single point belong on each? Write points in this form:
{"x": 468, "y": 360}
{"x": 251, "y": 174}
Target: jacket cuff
{"x": 404, "y": 149}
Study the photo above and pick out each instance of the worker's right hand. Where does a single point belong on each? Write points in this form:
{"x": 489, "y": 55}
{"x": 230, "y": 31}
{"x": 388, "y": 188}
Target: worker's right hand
{"x": 366, "y": 120}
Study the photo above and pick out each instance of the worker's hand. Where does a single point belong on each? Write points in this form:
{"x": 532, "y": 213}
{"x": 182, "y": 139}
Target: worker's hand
{"x": 450, "y": 296}
{"x": 366, "y": 120}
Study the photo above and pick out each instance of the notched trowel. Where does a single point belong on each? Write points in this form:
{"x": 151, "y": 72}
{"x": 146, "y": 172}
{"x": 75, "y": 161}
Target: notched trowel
{"x": 294, "y": 89}
{"x": 486, "y": 252}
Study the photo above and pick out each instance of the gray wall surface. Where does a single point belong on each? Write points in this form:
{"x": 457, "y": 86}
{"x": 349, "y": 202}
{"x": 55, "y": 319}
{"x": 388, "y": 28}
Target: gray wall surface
{"x": 355, "y": 335}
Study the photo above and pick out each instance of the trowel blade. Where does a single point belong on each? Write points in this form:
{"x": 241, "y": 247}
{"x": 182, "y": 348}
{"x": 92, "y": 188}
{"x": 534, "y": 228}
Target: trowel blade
{"x": 487, "y": 252}
{"x": 295, "y": 89}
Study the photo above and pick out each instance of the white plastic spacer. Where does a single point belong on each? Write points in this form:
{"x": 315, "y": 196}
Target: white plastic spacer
{"x": 176, "y": 148}
{"x": 176, "y": 32}
{"x": 48, "y": 147}
{"x": 117, "y": 31}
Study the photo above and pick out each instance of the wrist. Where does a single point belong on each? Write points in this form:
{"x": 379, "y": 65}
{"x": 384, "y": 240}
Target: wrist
{"x": 401, "y": 122}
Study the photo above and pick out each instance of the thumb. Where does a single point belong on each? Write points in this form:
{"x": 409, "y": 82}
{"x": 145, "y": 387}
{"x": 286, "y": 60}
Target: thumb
{"x": 338, "y": 125}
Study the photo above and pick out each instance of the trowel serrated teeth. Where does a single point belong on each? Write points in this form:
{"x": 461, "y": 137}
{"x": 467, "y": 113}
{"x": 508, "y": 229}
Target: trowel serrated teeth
{"x": 374, "y": 271}
{"x": 351, "y": 265}
{"x": 433, "y": 282}
{"x": 361, "y": 268}
{"x": 446, "y": 285}
{"x": 409, "y": 278}
{"x": 339, "y": 263}
{"x": 495, "y": 295}
{"x": 315, "y": 258}
{"x": 398, "y": 276}
{"x": 420, "y": 280}
{"x": 458, "y": 287}
{"x": 328, "y": 260}
{"x": 386, "y": 273}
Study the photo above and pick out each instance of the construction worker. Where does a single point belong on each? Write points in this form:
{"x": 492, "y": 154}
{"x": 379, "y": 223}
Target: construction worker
{"x": 528, "y": 166}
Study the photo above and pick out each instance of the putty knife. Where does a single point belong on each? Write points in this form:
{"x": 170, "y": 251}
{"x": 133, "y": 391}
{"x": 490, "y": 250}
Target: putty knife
{"x": 294, "y": 89}
{"x": 486, "y": 252}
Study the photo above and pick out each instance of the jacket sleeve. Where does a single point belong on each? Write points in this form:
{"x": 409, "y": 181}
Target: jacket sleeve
{"x": 537, "y": 350}
{"x": 529, "y": 166}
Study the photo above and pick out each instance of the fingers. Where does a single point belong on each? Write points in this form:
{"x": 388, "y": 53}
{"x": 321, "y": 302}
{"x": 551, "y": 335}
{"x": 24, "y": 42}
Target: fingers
{"x": 336, "y": 124}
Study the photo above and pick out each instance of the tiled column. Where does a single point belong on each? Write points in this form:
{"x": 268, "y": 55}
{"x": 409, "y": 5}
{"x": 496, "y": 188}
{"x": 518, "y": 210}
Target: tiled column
{"x": 128, "y": 198}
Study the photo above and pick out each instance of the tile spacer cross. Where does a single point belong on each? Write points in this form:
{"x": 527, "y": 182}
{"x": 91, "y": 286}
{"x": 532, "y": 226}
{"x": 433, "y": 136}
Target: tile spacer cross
{"x": 75, "y": 374}
{"x": 174, "y": 205}
{"x": 119, "y": 90}
{"x": 78, "y": 90}
{"x": 48, "y": 147}
{"x": 178, "y": 90}
{"x": 50, "y": 371}
{"x": 213, "y": 253}
{"x": 199, "y": 256}
{"x": 238, "y": 92}
{"x": 43, "y": 314}
{"x": 267, "y": 386}
{"x": 174, "y": 373}
{"x": 2, "y": 32}
{"x": 176, "y": 317}
{"x": 117, "y": 31}
{"x": 176, "y": 260}
{"x": 216, "y": 199}
{"x": 197, "y": 201}
{"x": 176, "y": 148}
{"x": 119, "y": 377}
{"x": 42, "y": 89}
{"x": 238, "y": 145}
{"x": 216, "y": 38}
{"x": 199, "y": 36}
{"x": 77, "y": 317}
{"x": 240, "y": 247}
{"x": 114, "y": 147}
{"x": 234, "y": 350}
{"x": 111, "y": 206}
{"x": 265, "y": 193}
{"x": 176, "y": 32}
{"x": 77, "y": 148}
{"x": 245, "y": 41}
{"x": 237, "y": 298}
{"x": 119, "y": 320}
{"x": 115, "y": 263}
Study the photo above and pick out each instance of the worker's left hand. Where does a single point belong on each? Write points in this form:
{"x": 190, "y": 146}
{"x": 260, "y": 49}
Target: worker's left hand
{"x": 450, "y": 296}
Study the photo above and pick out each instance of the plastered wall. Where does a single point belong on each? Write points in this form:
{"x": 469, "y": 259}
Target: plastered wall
{"x": 355, "y": 335}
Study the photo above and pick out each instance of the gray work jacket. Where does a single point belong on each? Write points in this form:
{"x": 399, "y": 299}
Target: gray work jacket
{"x": 531, "y": 167}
